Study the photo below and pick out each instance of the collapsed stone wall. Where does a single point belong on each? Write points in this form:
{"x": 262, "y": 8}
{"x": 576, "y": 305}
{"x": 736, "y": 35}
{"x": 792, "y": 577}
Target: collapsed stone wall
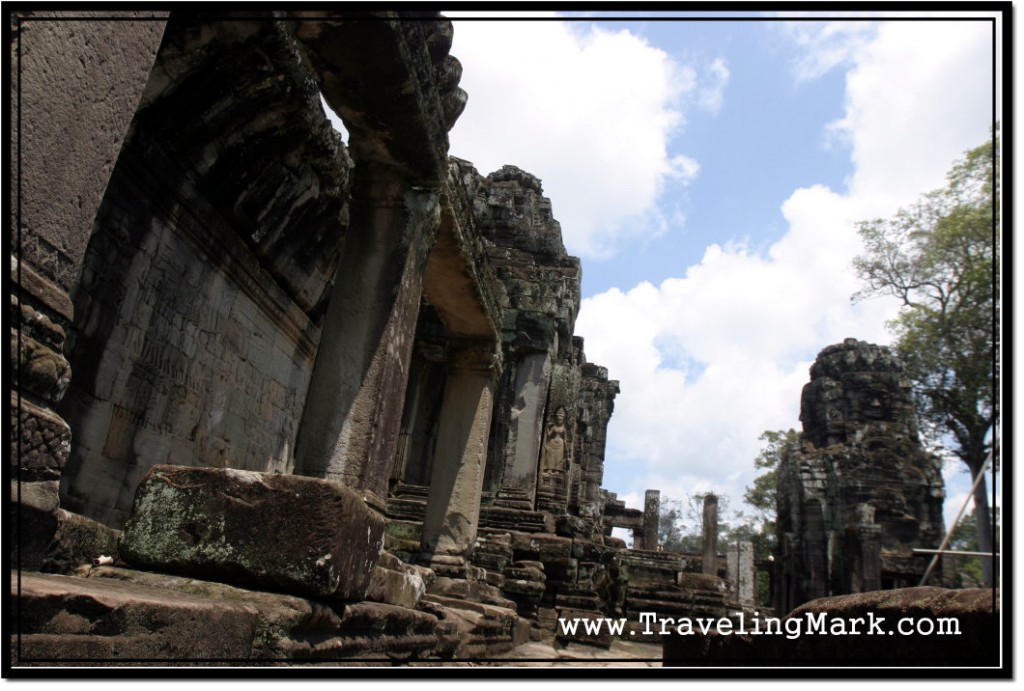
{"x": 862, "y": 492}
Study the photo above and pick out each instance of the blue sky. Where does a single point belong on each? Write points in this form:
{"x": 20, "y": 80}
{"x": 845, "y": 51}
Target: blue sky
{"x": 753, "y": 151}
{"x": 710, "y": 175}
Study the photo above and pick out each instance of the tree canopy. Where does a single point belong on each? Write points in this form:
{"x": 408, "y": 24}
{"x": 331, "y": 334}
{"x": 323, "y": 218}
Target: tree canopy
{"x": 761, "y": 495}
{"x": 940, "y": 259}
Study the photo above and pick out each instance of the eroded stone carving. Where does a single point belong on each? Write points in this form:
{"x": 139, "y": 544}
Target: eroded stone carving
{"x": 862, "y": 492}
{"x": 553, "y": 455}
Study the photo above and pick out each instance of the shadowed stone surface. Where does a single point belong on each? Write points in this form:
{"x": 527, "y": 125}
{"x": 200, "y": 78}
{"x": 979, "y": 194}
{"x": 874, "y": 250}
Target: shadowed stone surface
{"x": 63, "y": 618}
{"x": 78, "y": 540}
{"x": 975, "y": 611}
{"x": 281, "y": 532}
{"x": 116, "y": 615}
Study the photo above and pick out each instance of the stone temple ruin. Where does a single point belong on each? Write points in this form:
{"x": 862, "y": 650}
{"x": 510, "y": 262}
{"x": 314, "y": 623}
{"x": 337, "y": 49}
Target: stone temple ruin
{"x": 862, "y": 493}
{"x": 854, "y": 503}
{"x": 280, "y": 397}
{"x": 284, "y": 397}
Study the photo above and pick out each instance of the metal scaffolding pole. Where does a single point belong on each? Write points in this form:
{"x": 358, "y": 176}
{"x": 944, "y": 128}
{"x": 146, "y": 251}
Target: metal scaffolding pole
{"x": 956, "y": 521}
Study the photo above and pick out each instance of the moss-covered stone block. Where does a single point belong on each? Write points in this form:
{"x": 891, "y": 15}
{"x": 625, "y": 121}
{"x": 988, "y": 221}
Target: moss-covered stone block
{"x": 287, "y": 533}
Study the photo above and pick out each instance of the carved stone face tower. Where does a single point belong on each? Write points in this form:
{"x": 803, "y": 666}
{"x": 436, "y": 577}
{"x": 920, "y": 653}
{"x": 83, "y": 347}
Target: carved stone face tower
{"x": 854, "y": 387}
{"x": 862, "y": 492}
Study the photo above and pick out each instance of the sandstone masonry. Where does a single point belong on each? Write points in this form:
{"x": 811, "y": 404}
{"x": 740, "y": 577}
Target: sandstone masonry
{"x": 862, "y": 493}
{"x": 330, "y": 391}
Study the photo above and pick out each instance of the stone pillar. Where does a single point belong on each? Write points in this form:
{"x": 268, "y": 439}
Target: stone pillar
{"x": 596, "y": 403}
{"x": 453, "y": 506}
{"x": 741, "y": 572}
{"x": 75, "y": 87}
{"x": 652, "y": 505}
{"x": 710, "y": 535}
{"x": 526, "y": 427}
{"x": 395, "y": 87}
{"x": 353, "y": 412}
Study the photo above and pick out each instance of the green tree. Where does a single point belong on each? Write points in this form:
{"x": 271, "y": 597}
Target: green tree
{"x": 939, "y": 258}
{"x": 969, "y": 569}
{"x": 672, "y": 530}
{"x": 969, "y": 572}
{"x": 681, "y": 523}
{"x": 761, "y": 495}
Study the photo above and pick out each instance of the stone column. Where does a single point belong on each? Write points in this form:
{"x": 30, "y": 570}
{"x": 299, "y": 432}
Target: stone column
{"x": 353, "y": 412}
{"x": 710, "y": 535}
{"x": 741, "y": 571}
{"x": 75, "y": 87}
{"x": 526, "y": 427}
{"x": 652, "y": 505}
{"x": 395, "y": 87}
{"x": 453, "y": 506}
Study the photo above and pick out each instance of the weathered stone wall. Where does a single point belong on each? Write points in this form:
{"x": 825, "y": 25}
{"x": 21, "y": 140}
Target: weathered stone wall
{"x": 74, "y": 85}
{"x": 862, "y": 492}
{"x": 253, "y": 296}
{"x": 597, "y": 403}
{"x": 194, "y": 337}
{"x": 538, "y": 294}
{"x": 79, "y": 80}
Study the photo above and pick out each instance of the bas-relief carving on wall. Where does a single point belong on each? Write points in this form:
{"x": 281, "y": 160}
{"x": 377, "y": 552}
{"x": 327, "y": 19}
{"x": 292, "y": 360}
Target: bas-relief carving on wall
{"x": 553, "y": 454}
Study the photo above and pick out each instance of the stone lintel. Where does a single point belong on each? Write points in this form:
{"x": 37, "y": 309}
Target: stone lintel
{"x": 393, "y": 84}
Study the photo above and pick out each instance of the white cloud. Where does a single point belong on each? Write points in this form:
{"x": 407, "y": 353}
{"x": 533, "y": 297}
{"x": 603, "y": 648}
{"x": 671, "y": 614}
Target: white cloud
{"x": 589, "y": 111}
{"x": 709, "y": 360}
{"x": 712, "y": 90}
{"x": 910, "y": 101}
{"x": 825, "y": 45}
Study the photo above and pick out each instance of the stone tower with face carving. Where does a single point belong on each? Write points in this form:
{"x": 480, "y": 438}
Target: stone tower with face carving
{"x": 862, "y": 492}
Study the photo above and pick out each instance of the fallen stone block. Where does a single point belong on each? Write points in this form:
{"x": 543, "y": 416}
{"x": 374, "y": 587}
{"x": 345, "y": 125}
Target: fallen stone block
{"x": 79, "y": 541}
{"x": 395, "y": 587}
{"x": 287, "y": 533}
{"x": 64, "y": 619}
{"x": 484, "y": 630}
{"x": 111, "y": 614}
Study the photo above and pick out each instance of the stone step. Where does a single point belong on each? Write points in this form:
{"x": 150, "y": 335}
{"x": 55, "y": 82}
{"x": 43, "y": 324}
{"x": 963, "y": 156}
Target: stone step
{"x": 602, "y": 639}
{"x": 491, "y": 562}
{"x": 583, "y": 601}
{"x": 670, "y": 592}
{"x": 516, "y": 519}
{"x": 676, "y": 609}
{"x": 406, "y": 509}
{"x": 485, "y": 630}
{"x": 403, "y": 490}
{"x": 121, "y": 615}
